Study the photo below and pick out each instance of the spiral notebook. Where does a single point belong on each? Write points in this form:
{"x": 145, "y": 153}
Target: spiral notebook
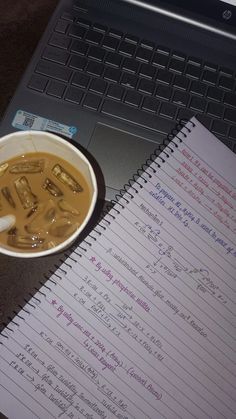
{"x": 139, "y": 321}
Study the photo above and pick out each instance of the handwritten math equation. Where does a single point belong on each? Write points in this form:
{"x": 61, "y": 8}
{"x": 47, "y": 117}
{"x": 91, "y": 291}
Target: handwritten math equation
{"x": 167, "y": 262}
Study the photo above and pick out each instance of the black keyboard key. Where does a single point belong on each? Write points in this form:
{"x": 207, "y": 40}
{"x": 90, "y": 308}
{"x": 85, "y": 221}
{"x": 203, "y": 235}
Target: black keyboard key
{"x": 81, "y": 80}
{"x": 177, "y": 65}
{"x": 115, "y": 91}
{"x": 210, "y": 66}
{"x": 98, "y": 86}
{"x": 96, "y": 53}
{"x": 150, "y": 104}
{"x": 126, "y": 113}
{"x": 198, "y": 88}
{"x": 84, "y": 22}
{"x": 144, "y": 54}
{"x": 56, "y": 89}
{"x": 38, "y": 83}
{"x": 133, "y": 98}
{"x": 129, "y": 80}
{"x": 77, "y": 31}
{"x": 79, "y": 63}
{"x": 214, "y": 93}
{"x": 220, "y": 127}
{"x": 96, "y": 69}
{"x": 53, "y": 70}
{"x": 181, "y": 82}
{"x": 92, "y": 101}
{"x": 99, "y": 27}
{"x": 168, "y": 110}
{"x": 232, "y": 133}
{"x": 116, "y": 33}
{"x": 164, "y": 76}
{"x": 127, "y": 49}
{"x": 146, "y": 70}
{"x": 226, "y": 83}
{"x": 130, "y": 64}
{"x": 193, "y": 71}
{"x": 146, "y": 86}
{"x": 147, "y": 44}
{"x": 55, "y": 54}
{"x": 60, "y": 41}
{"x": 163, "y": 92}
{"x": 110, "y": 42}
{"x": 226, "y": 71}
{"x": 198, "y": 104}
{"x": 79, "y": 47}
{"x": 160, "y": 60}
{"x": 163, "y": 50}
{"x": 112, "y": 74}
{"x": 74, "y": 95}
{"x": 61, "y": 26}
{"x": 210, "y": 77}
{"x": 205, "y": 120}
{"x": 68, "y": 16}
{"x": 185, "y": 114}
{"x": 230, "y": 99}
{"x": 215, "y": 110}
{"x": 131, "y": 38}
{"x": 179, "y": 55}
{"x": 180, "y": 98}
{"x": 230, "y": 115}
{"x": 114, "y": 59}
{"x": 195, "y": 61}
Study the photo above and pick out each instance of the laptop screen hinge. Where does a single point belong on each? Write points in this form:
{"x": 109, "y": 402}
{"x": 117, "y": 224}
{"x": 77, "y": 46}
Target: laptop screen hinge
{"x": 182, "y": 18}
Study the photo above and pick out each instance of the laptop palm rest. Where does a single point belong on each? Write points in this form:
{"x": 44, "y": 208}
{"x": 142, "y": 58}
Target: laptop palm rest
{"x": 119, "y": 153}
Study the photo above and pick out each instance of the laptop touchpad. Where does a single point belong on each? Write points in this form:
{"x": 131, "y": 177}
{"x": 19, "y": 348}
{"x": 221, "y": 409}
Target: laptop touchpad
{"x": 119, "y": 154}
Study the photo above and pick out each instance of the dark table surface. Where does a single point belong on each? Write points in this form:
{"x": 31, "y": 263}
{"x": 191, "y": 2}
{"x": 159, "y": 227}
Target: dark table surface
{"x": 22, "y": 23}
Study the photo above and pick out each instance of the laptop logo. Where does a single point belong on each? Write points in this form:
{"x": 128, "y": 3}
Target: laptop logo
{"x": 227, "y": 14}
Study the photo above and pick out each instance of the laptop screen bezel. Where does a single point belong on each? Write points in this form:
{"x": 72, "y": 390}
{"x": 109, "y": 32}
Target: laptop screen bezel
{"x": 213, "y": 13}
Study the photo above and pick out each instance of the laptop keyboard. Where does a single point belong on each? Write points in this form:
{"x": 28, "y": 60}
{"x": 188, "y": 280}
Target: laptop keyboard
{"x": 104, "y": 70}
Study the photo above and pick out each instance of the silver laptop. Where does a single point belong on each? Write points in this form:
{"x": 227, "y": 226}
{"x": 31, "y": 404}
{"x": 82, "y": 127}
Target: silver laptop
{"x": 115, "y": 76}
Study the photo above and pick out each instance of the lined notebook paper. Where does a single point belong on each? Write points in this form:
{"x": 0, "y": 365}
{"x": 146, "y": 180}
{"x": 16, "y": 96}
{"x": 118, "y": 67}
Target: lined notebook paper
{"x": 139, "y": 322}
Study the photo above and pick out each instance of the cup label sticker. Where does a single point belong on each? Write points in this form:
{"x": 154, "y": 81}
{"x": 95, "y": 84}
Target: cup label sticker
{"x": 29, "y": 121}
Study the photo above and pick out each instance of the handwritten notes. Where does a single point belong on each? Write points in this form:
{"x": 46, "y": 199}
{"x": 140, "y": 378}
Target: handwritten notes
{"x": 139, "y": 322}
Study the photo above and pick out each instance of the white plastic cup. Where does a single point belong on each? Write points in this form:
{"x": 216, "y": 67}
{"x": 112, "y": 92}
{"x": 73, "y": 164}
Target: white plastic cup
{"x": 22, "y": 142}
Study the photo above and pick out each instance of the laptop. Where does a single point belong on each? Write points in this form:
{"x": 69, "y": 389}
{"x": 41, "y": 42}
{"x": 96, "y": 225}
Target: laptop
{"x": 114, "y": 77}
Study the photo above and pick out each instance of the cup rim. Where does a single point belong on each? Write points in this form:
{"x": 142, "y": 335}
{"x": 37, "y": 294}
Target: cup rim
{"x": 65, "y": 244}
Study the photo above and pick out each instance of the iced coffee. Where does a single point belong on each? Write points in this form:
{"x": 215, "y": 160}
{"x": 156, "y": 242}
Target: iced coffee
{"x": 43, "y": 200}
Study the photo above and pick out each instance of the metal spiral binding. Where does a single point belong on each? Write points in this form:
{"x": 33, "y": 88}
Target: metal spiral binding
{"x": 53, "y": 273}
{"x": 8, "y": 328}
{"x": 179, "y": 129}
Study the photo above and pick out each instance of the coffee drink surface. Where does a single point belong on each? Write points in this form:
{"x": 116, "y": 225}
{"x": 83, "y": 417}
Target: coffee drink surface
{"x": 48, "y": 197}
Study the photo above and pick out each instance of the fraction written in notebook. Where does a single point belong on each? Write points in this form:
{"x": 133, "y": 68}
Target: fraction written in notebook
{"x": 139, "y": 321}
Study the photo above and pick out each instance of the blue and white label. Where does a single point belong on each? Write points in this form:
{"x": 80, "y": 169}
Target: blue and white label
{"x": 27, "y": 121}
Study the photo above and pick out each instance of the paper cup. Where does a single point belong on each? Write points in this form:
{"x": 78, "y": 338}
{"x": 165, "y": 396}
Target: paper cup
{"x": 19, "y": 143}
